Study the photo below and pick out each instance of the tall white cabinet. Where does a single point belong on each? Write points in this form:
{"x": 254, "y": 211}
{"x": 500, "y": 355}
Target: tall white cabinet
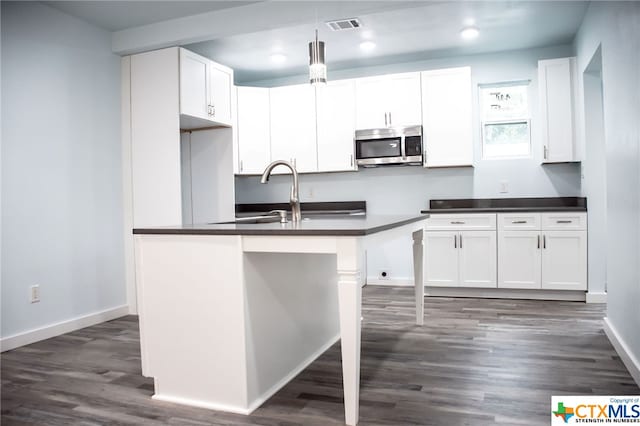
{"x": 170, "y": 90}
{"x": 447, "y": 117}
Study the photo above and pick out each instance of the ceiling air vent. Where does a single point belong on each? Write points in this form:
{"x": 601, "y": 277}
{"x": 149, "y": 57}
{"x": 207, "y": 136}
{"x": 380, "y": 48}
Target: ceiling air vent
{"x": 344, "y": 24}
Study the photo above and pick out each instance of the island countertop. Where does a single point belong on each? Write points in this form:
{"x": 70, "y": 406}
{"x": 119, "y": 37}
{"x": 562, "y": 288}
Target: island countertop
{"x": 356, "y": 225}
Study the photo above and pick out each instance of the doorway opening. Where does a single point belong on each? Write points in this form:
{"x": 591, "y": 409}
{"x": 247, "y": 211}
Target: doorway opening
{"x": 594, "y": 172}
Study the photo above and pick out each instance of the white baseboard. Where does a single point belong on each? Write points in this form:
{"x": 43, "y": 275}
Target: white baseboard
{"x": 202, "y": 404}
{"x": 593, "y": 297}
{"x": 628, "y": 358}
{"x": 53, "y": 330}
{"x": 394, "y": 282}
{"x": 505, "y": 293}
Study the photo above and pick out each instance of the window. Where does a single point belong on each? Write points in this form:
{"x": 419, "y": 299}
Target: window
{"x": 505, "y": 120}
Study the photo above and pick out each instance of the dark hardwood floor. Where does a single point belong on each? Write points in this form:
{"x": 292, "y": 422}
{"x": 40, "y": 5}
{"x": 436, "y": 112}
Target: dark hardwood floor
{"x": 474, "y": 362}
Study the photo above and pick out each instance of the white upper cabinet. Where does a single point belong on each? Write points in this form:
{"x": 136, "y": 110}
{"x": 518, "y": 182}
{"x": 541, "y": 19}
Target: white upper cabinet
{"x": 221, "y": 85}
{"x": 389, "y": 100}
{"x": 336, "y": 123}
{"x": 557, "y": 92}
{"x": 293, "y": 127}
{"x": 194, "y": 85}
{"x": 205, "y": 92}
{"x": 253, "y": 130}
{"x": 446, "y": 117}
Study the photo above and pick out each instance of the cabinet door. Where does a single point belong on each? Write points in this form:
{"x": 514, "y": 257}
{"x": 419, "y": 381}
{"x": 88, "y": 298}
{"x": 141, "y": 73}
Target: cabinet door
{"x": 220, "y": 83}
{"x": 519, "y": 259}
{"x": 556, "y": 109}
{"x": 446, "y": 117}
{"x": 564, "y": 260}
{"x": 371, "y": 103}
{"x": 194, "y": 88}
{"x": 293, "y": 126}
{"x": 477, "y": 259}
{"x": 402, "y": 91}
{"x": 441, "y": 259}
{"x": 336, "y": 126}
{"x": 254, "y": 150}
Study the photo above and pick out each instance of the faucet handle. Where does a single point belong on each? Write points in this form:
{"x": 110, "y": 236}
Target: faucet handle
{"x": 282, "y": 213}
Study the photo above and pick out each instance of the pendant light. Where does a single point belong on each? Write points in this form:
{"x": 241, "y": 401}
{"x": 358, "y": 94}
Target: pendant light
{"x": 317, "y": 67}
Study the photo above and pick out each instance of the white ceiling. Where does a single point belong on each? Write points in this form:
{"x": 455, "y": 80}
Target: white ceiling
{"x": 404, "y": 31}
{"x": 120, "y": 15}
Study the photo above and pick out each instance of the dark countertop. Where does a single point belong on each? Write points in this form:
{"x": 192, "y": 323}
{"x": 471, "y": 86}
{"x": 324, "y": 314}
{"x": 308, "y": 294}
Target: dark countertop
{"x": 356, "y": 225}
{"x": 508, "y": 205}
{"x": 505, "y": 210}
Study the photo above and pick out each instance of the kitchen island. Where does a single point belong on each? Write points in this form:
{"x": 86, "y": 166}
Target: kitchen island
{"x": 229, "y": 313}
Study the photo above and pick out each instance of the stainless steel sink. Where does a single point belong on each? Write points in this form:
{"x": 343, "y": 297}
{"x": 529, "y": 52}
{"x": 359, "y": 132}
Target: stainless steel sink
{"x": 253, "y": 220}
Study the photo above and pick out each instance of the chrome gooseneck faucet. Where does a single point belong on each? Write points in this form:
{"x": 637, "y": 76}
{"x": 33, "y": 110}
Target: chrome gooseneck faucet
{"x": 294, "y": 198}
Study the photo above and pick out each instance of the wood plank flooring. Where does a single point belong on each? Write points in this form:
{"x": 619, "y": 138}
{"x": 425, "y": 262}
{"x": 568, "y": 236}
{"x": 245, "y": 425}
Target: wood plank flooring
{"x": 474, "y": 362}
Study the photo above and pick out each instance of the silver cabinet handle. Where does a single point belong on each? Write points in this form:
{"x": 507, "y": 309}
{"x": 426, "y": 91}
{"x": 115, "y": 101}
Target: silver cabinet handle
{"x": 544, "y": 241}
{"x": 390, "y": 122}
{"x": 546, "y": 152}
{"x": 385, "y": 120}
{"x": 241, "y": 166}
{"x": 455, "y": 241}
{"x": 351, "y": 160}
{"x": 538, "y": 242}
{"x": 519, "y": 221}
{"x": 460, "y": 240}
{"x": 457, "y": 222}
{"x": 564, "y": 221}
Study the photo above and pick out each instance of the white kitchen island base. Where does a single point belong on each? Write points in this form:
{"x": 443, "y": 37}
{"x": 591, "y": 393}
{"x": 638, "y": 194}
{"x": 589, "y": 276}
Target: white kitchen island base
{"x": 227, "y": 320}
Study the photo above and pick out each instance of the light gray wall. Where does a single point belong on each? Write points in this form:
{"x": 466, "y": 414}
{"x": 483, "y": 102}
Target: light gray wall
{"x": 408, "y": 189}
{"x": 61, "y": 168}
{"x": 616, "y": 27}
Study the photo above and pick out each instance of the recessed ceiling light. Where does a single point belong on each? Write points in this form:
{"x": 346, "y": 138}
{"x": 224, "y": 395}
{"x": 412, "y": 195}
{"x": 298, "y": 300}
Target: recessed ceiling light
{"x": 367, "y": 46}
{"x": 469, "y": 33}
{"x": 278, "y": 58}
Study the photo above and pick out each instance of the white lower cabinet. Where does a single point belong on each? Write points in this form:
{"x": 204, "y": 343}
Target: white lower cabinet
{"x": 477, "y": 259}
{"x": 551, "y": 257}
{"x": 564, "y": 260}
{"x": 441, "y": 258}
{"x": 460, "y": 258}
{"x": 545, "y": 251}
{"x": 519, "y": 259}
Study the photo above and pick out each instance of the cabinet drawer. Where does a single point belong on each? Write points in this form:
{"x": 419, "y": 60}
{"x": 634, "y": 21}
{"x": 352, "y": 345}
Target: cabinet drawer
{"x": 566, "y": 221}
{"x": 519, "y": 221}
{"x": 446, "y": 222}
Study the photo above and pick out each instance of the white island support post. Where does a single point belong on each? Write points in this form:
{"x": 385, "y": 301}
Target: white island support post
{"x": 418, "y": 267}
{"x": 349, "y": 262}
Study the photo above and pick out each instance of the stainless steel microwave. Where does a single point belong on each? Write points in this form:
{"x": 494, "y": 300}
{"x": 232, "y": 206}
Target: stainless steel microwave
{"x": 387, "y": 146}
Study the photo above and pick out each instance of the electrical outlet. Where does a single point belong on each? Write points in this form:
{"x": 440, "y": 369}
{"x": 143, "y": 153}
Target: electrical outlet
{"x": 384, "y": 274}
{"x": 35, "y": 293}
{"x": 504, "y": 186}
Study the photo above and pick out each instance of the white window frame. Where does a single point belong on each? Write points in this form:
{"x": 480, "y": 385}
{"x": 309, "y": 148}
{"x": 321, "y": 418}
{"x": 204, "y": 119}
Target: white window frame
{"x": 484, "y": 123}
